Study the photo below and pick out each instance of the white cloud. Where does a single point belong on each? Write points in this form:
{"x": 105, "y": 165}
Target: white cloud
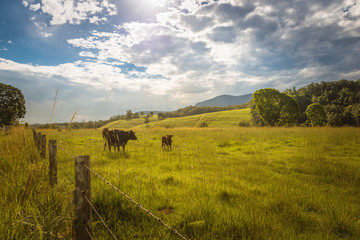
{"x": 46, "y": 35}
{"x": 74, "y": 11}
{"x": 87, "y": 54}
{"x": 35, "y": 7}
{"x": 25, "y": 3}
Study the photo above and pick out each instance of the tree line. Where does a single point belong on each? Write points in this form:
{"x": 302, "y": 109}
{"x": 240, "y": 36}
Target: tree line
{"x": 334, "y": 103}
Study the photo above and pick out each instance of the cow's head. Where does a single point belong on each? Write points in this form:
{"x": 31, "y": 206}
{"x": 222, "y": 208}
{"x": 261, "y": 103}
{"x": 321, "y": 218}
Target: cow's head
{"x": 170, "y": 136}
{"x": 105, "y": 132}
{"x": 132, "y": 135}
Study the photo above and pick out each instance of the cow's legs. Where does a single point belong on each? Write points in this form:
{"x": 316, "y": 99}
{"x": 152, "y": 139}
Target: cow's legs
{"x": 123, "y": 146}
{"x": 109, "y": 146}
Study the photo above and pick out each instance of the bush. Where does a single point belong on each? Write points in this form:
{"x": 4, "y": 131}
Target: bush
{"x": 203, "y": 125}
{"x": 244, "y": 123}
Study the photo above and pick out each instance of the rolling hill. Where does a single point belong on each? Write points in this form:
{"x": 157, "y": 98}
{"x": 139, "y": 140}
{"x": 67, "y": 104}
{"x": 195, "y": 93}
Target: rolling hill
{"x": 223, "y": 119}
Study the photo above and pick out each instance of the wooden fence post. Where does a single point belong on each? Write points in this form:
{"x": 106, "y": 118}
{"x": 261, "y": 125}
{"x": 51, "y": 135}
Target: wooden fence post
{"x": 82, "y": 222}
{"x": 35, "y": 138}
{"x": 52, "y": 162}
{"x": 43, "y": 146}
{"x": 38, "y": 142}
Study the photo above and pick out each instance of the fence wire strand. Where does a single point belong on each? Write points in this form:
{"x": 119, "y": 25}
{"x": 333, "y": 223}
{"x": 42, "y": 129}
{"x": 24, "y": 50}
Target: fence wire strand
{"x": 87, "y": 230}
{"x": 122, "y": 193}
{"x": 136, "y": 203}
{"x": 72, "y": 179}
{"x": 92, "y": 206}
{"x": 101, "y": 219}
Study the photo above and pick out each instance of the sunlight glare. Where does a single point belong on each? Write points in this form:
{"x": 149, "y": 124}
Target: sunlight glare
{"x": 157, "y": 3}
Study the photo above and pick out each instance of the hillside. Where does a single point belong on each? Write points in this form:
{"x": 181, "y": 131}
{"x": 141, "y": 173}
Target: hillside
{"x": 130, "y": 123}
{"x": 225, "y": 100}
{"x": 224, "y": 119}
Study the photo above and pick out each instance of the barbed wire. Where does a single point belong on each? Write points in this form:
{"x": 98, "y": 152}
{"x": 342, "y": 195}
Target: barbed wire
{"x": 122, "y": 193}
{"x": 72, "y": 179}
{"x": 90, "y": 235}
{"x": 65, "y": 150}
{"x": 136, "y": 203}
{"x": 101, "y": 219}
{"x": 92, "y": 206}
{"x": 67, "y": 173}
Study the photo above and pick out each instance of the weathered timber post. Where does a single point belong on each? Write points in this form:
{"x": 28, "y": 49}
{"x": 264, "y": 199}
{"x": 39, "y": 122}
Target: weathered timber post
{"x": 35, "y": 137}
{"x": 52, "y": 162}
{"x": 82, "y": 196}
{"x": 38, "y": 141}
{"x": 43, "y": 146}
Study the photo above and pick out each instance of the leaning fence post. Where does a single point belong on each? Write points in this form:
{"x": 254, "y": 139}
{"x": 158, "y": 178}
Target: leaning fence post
{"x": 82, "y": 195}
{"x": 43, "y": 146}
{"x": 52, "y": 162}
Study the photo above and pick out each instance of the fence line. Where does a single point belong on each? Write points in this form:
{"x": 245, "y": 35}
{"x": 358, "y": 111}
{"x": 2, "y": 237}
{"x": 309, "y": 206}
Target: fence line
{"x": 40, "y": 147}
{"x": 92, "y": 206}
{"x": 136, "y": 203}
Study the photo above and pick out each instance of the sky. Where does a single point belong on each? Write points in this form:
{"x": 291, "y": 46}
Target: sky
{"x": 108, "y": 56}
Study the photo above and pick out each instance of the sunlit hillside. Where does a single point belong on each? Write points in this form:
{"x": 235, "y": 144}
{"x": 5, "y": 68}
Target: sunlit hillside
{"x": 213, "y": 120}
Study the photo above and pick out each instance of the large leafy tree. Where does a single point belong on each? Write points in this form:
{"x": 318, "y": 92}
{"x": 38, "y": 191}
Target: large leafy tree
{"x": 12, "y": 104}
{"x": 276, "y": 108}
{"x": 316, "y": 114}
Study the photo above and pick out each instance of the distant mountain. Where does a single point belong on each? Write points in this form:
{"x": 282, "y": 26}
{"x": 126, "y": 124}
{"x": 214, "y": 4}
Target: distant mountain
{"x": 225, "y": 100}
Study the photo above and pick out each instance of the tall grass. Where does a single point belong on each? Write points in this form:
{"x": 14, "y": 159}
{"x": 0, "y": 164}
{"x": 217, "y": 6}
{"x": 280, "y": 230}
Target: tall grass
{"x": 30, "y": 209}
{"x": 224, "y": 183}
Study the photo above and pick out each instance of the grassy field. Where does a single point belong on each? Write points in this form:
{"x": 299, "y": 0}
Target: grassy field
{"x": 216, "y": 183}
{"x": 222, "y": 119}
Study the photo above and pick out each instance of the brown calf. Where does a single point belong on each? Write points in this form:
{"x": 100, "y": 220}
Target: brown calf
{"x": 166, "y": 141}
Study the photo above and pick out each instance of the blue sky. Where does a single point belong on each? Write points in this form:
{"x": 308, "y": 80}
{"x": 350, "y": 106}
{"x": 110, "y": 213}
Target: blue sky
{"x": 109, "y": 56}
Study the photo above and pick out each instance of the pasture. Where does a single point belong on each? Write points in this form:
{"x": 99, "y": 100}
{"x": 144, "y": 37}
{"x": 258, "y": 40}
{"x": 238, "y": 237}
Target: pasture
{"x": 215, "y": 183}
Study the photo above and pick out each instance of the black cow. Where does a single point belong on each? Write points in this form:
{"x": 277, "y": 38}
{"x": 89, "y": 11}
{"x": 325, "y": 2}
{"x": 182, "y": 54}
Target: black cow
{"x": 117, "y": 138}
{"x": 122, "y": 137}
{"x": 105, "y": 132}
{"x": 166, "y": 141}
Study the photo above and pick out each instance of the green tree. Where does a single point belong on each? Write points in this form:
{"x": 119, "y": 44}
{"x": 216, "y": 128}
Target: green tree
{"x": 275, "y": 108}
{"x": 12, "y": 104}
{"x": 289, "y": 110}
{"x": 136, "y": 115}
{"x": 129, "y": 115}
{"x": 161, "y": 116}
{"x": 316, "y": 114}
{"x": 147, "y": 120}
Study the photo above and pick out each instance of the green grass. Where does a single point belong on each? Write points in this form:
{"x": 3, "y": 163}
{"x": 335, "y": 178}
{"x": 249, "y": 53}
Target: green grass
{"x": 127, "y": 124}
{"x": 224, "y": 119}
{"x": 216, "y": 183}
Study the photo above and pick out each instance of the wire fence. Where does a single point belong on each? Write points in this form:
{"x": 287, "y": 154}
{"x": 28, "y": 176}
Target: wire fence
{"x": 174, "y": 231}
